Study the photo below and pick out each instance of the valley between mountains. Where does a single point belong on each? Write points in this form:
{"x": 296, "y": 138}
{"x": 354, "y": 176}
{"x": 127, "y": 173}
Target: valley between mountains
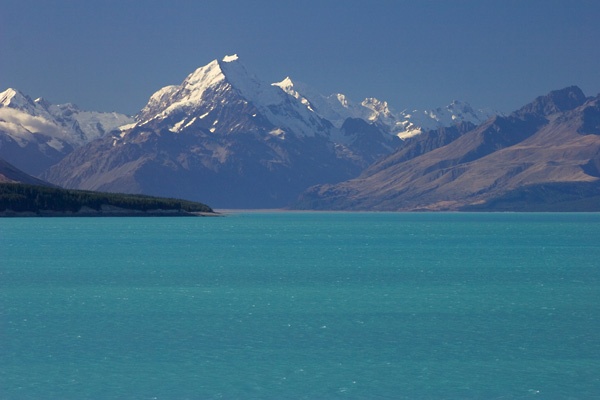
{"x": 225, "y": 138}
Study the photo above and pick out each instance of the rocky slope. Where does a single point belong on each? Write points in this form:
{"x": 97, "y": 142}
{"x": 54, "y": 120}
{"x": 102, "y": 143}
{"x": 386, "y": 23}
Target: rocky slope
{"x": 11, "y": 174}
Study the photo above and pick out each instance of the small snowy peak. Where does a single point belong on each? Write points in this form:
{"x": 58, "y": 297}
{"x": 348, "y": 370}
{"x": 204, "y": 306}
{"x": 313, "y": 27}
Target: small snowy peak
{"x": 17, "y": 100}
{"x": 380, "y": 112}
{"x": 231, "y": 58}
{"x": 14, "y": 98}
{"x": 378, "y": 106}
{"x": 414, "y": 122}
{"x": 287, "y": 85}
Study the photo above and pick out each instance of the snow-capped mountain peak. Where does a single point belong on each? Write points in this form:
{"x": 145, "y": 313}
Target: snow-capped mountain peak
{"x": 205, "y": 92}
{"x": 13, "y": 98}
{"x": 194, "y": 90}
{"x": 231, "y": 58}
{"x": 229, "y": 70}
{"x": 17, "y": 100}
{"x": 288, "y": 86}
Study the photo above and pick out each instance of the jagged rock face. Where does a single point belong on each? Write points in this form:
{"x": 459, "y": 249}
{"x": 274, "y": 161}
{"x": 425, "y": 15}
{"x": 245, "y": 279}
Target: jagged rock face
{"x": 489, "y": 166}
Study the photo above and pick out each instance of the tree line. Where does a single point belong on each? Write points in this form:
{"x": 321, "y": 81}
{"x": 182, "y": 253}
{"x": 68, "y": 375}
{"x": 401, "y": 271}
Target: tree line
{"x": 20, "y": 197}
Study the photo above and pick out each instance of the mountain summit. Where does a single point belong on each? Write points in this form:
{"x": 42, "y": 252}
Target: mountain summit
{"x": 262, "y": 107}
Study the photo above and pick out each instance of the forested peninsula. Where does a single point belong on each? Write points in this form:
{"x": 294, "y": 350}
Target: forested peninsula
{"x": 17, "y": 199}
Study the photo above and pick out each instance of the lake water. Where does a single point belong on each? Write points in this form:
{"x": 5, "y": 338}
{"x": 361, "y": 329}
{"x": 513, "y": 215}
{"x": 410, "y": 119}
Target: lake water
{"x": 301, "y": 305}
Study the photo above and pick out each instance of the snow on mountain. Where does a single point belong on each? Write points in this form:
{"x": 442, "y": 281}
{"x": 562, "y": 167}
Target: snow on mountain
{"x": 228, "y": 80}
{"x": 93, "y": 124}
{"x": 35, "y": 134}
{"x": 14, "y": 99}
{"x": 337, "y": 108}
{"x": 20, "y": 116}
{"x": 415, "y": 122}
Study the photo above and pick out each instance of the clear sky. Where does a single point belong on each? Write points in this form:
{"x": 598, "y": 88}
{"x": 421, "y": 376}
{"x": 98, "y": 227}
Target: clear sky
{"x": 111, "y": 55}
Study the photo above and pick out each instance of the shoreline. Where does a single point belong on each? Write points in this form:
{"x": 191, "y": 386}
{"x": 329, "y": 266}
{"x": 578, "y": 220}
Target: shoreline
{"x": 113, "y": 212}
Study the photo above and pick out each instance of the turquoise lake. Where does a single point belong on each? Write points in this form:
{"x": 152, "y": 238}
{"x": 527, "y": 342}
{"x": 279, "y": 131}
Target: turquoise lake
{"x": 263, "y": 305}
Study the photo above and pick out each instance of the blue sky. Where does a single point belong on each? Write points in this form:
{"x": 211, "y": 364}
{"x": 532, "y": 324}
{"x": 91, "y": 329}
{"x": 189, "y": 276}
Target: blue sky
{"x": 111, "y": 55}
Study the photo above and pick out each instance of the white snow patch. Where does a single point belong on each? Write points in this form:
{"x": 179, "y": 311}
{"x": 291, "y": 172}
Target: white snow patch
{"x": 177, "y": 127}
{"x": 230, "y": 58}
{"x": 278, "y": 132}
{"x": 191, "y": 122}
{"x": 127, "y": 127}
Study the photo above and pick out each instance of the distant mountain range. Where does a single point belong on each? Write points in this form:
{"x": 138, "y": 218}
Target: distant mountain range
{"x": 545, "y": 156}
{"x": 225, "y": 138}
{"x": 336, "y": 108}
